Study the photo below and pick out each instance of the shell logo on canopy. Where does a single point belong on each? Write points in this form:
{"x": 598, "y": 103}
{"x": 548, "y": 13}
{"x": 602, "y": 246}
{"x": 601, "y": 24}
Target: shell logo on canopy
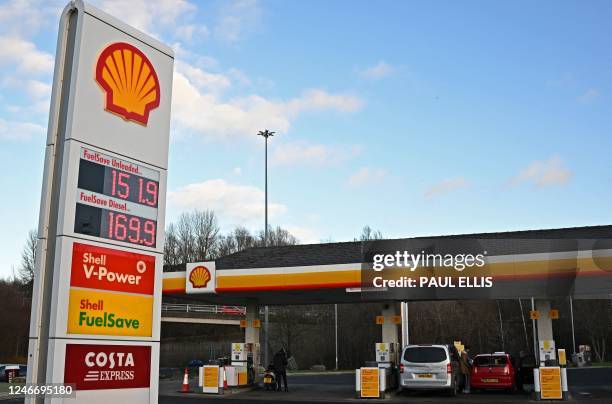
{"x": 199, "y": 277}
{"x": 129, "y": 82}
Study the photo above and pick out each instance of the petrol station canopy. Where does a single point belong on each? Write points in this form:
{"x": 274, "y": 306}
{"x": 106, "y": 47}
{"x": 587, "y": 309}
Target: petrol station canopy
{"x": 550, "y": 263}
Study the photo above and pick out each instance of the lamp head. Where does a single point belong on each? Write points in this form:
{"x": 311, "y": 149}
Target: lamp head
{"x": 265, "y": 133}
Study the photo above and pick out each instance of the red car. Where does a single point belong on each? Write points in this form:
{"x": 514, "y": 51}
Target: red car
{"x": 493, "y": 371}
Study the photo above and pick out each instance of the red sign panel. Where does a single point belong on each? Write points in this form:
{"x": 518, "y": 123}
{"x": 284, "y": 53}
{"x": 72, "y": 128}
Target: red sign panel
{"x": 99, "y": 367}
{"x": 109, "y": 269}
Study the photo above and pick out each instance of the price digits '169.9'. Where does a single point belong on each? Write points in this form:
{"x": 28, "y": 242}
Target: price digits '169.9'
{"x": 100, "y": 222}
{"x": 128, "y": 228}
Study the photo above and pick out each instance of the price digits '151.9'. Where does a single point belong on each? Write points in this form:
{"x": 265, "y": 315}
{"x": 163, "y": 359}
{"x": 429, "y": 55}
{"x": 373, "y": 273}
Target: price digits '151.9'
{"x": 132, "y": 188}
{"x": 118, "y": 184}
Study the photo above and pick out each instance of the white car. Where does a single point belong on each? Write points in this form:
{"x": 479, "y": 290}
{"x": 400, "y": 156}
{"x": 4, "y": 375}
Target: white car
{"x": 430, "y": 367}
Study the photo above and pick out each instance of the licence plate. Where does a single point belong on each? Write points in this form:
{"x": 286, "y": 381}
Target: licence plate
{"x": 490, "y": 380}
{"x": 267, "y": 380}
{"x": 424, "y": 375}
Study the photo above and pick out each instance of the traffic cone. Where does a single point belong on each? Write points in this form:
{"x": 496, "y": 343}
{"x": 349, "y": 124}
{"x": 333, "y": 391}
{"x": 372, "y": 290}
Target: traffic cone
{"x": 185, "y": 387}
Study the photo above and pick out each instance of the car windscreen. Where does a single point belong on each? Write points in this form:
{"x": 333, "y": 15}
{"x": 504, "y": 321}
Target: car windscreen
{"x": 490, "y": 360}
{"x": 425, "y": 354}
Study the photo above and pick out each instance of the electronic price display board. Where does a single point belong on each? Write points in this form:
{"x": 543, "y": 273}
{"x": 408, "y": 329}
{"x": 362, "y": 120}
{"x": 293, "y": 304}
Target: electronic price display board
{"x": 116, "y": 199}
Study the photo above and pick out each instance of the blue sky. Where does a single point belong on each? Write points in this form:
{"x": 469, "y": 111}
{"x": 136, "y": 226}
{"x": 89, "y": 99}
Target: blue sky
{"x": 417, "y": 118}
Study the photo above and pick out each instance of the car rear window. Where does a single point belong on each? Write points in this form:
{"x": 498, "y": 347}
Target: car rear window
{"x": 491, "y": 360}
{"x": 425, "y": 354}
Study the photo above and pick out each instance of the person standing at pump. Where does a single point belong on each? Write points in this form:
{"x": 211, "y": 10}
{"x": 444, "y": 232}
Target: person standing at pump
{"x": 465, "y": 363}
{"x": 280, "y": 368}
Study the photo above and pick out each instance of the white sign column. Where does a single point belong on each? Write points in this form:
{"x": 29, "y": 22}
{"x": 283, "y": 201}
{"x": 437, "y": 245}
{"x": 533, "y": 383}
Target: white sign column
{"x": 96, "y": 303}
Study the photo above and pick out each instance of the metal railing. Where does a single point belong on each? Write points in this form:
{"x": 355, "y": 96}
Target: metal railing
{"x": 230, "y": 310}
{"x": 204, "y": 308}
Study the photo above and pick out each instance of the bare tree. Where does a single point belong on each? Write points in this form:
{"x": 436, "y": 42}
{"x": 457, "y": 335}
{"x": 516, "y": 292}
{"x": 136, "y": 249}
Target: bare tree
{"x": 243, "y": 238}
{"x": 226, "y": 245}
{"x": 237, "y": 240}
{"x": 370, "y": 234}
{"x": 595, "y": 321}
{"x": 185, "y": 238}
{"x": 292, "y": 325}
{"x": 196, "y": 237}
{"x": 15, "y": 315}
{"x": 171, "y": 246}
{"x": 205, "y": 233}
{"x": 276, "y": 237}
{"x": 25, "y": 271}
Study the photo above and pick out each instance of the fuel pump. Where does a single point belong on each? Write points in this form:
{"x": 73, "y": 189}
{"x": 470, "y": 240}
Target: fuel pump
{"x": 386, "y": 354}
{"x": 239, "y": 354}
{"x": 387, "y": 358}
{"x": 244, "y": 358}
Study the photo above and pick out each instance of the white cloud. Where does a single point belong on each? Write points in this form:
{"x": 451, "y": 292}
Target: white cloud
{"x": 237, "y": 170}
{"x": 24, "y": 68}
{"x": 543, "y": 173}
{"x": 38, "y": 107}
{"x": 304, "y": 153}
{"x": 189, "y": 32}
{"x": 38, "y": 89}
{"x": 235, "y": 204}
{"x": 316, "y": 99}
{"x": 237, "y": 17}
{"x": 304, "y": 235}
{"x": 25, "y": 55}
{"x": 149, "y": 15}
{"x": 27, "y": 17}
{"x": 378, "y": 71}
{"x": 365, "y": 176}
{"x": 14, "y": 130}
{"x": 300, "y": 153}
{"x": 239, "y": 76}
{"x": 195, "y": 110}
{"x": 208, "y": 62}
{"x": 589, "y": 95}
{"x": 446, "y": 186}
{"x": 201, "y": 79}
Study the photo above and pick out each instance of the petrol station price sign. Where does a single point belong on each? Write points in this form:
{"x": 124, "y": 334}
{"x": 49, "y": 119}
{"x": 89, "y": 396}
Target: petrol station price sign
{"x": 550, "y": 383}
{"x": 370, "y": 383}
{"x": 98, "y": 285}
{"x": 116, "y": 199}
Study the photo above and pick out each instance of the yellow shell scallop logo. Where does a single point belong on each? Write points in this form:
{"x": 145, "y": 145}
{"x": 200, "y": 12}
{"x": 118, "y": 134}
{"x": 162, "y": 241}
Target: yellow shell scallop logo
{"x": 129, "y": 81}
{"x": 199, "y": 277}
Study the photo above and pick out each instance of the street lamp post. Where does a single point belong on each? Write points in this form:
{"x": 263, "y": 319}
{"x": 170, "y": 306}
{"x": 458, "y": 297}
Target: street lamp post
{"x": 266, "y": 134}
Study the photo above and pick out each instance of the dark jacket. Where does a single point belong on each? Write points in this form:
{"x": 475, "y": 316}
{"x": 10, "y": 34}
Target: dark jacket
{"x": 280, "y": 361}
{"x": 464, "y": 363}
